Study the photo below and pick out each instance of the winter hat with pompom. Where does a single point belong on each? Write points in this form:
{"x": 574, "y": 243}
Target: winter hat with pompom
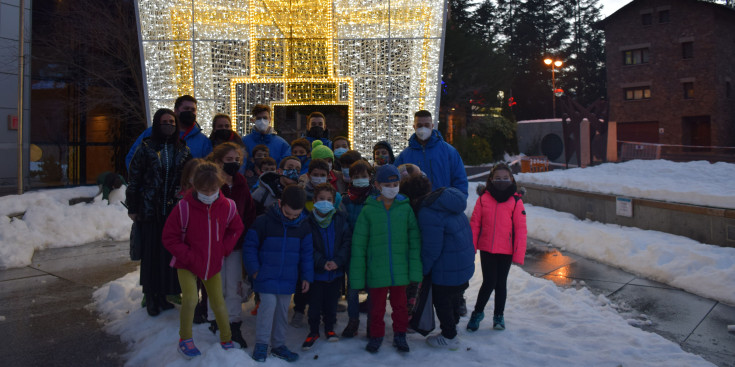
{"x": 320, "y": 151}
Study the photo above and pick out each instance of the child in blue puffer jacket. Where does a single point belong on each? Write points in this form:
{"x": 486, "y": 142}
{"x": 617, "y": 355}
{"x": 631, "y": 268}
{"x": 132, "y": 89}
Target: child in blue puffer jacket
{"x": 277, "y": 250}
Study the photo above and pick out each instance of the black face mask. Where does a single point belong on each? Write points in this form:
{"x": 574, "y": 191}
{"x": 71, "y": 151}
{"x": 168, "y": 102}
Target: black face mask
{"x": 167, "y": 130}
{"x": 187, "y": 118}
{"x": 316, "y": 132}
{"x": 231, "y": 168}
{"x": 501, "y": 195}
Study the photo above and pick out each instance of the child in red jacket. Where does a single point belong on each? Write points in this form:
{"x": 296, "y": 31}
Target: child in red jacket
{"x": 198, "y": 251}
{"x": 499, "y": 231}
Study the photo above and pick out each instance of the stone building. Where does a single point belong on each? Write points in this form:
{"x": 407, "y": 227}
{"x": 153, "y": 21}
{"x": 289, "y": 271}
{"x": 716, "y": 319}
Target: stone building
{"x": 670, "y": 72}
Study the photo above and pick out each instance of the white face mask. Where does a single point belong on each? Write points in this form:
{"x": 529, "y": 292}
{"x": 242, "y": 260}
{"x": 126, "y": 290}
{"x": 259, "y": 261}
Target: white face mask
{"x": 389, "y": 192}
{"x": 318, "y": 180}
{"x": 207, "y": 199}
{"x": 423, "y": 133}
{"x": 262, "y": 125}
{"x": 361, "y": 182}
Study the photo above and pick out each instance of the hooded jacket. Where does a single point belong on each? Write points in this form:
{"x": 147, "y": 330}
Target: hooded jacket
{"x": 500, "y": 228}
{"x": 386, "y": 246}
{"x": 279, "y": 250}
{"x": 240, "y": 194}
{"x": 277, "y": 147}
{"x": 151, "y": 191}
{"x": 438, "y": 160}
{"x": 199, "y": 145}
{"x": 331, "y": 244}
{"x": 447, "y": 252}
{"x": 200, "y": 242}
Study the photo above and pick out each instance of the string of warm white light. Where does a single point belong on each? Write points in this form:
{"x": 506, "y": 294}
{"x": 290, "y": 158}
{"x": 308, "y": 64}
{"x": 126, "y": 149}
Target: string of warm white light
{"x": 378, "y": 57}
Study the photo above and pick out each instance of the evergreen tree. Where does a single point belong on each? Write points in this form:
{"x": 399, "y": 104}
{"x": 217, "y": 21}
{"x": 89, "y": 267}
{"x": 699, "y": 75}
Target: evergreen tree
{"x": 584, "y": 77}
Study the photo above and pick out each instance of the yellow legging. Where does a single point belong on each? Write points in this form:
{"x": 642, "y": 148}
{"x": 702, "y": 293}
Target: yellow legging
{"x": 189, "y": 298}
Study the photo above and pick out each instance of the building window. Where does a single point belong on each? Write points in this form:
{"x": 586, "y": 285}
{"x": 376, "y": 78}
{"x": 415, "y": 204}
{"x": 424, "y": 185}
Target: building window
{"x": 635, "y": 57}
{"x": 663, "y": 16}
{"x": 647, "y": 19}
{"x": 632, "y": 94}
{"x": 687, "y": 50}
{"x": 688, "y": 90}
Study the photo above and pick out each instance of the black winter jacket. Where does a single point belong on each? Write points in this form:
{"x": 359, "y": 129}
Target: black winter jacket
{"x": 152, "y": 193}
{"x": 342, "y": 246}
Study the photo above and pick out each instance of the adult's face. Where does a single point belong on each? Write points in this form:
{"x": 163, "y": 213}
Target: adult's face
{"x": 315, "y": 121}
{"x": 423, "y": 122}
{"x": 186, "y": 106}
{"x": 221, "y": 123}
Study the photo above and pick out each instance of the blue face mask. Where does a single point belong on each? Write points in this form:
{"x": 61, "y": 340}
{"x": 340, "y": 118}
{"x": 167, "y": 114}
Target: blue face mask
{"x": 324, "y": 206}
{"x": 292, "y": 174}
{"x": 361, "y": 182}
{"x": 339, "y": 151}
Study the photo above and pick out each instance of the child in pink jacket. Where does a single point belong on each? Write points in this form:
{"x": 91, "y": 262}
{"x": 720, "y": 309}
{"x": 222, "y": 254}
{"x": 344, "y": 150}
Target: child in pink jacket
{"x": 499, "y": 231}
{"x": 201, "y": 230}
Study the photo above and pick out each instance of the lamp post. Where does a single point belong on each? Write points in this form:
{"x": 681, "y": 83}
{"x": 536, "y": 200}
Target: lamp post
{"x": 553, "y": 63}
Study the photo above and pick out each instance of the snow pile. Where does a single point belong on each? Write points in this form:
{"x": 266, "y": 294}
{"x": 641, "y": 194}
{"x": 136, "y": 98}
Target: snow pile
{"x": 705, "y": 270}
{"x": 547, "y": 325}
{"x": 49, "y": 221}
{"x": 698, "y": 183}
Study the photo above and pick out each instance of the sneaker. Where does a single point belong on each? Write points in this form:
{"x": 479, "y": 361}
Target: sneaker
{"x": 237, "y": 334}
{"x": 475, "y": 319}
{"x": 373, "y": 345}
{"x": 297, "y": 320}
{"x": 350, "y": 330}
{"x": 463, "y": 307}
{"x": 439, "y": 341}
{"x": 498, "y": 322}
{"x": 260, "y": 353}
{"x": 399, "y": 341}
{"x": 283, "y": 353}
{"x": 310, "y": 340}
{"x": 331, "y": 336}
{"x": 227, "y": 345}
{"x": 188, "y": 349}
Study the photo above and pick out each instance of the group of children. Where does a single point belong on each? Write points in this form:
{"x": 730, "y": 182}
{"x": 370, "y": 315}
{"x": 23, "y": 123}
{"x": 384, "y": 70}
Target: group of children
{"x": 324, "y": 218}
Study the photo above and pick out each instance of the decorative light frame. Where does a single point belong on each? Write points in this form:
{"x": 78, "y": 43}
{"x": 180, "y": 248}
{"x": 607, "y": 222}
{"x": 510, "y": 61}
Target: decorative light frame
{"x": 386, "y": 53}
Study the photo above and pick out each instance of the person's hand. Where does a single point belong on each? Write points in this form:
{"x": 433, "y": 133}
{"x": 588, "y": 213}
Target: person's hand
{"x": 330, "y": 265}
{"x": 133, "y": 216}
{"x": 304, "y": 286}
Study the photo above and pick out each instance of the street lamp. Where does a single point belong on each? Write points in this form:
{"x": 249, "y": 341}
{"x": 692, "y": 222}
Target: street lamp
{"x": 553, "y": 63}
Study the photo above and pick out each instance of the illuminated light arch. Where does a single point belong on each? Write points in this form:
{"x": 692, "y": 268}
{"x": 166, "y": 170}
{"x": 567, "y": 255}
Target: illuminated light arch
{"x": 380, "y": 58}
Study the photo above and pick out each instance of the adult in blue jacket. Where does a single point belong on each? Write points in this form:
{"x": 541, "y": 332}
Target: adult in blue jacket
{"x": 185, "y": 109}
{"x": 447, "y": 251}
{"x": 263, "y": 134}
{"x": 316, "y": 128}
{"x": 436, "y": 158}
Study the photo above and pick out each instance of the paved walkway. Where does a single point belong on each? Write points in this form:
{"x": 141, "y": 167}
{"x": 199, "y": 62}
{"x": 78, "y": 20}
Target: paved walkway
{"x": 45, "y": 320}
{"x": 698, "y": 324}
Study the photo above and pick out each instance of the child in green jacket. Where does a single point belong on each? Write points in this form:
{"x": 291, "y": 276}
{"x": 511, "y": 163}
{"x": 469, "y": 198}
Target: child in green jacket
{"x": 386, "y": 256}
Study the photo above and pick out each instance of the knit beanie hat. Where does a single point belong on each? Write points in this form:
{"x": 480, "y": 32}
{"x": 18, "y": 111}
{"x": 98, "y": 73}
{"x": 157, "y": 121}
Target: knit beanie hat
{"x": 320, "y": 151}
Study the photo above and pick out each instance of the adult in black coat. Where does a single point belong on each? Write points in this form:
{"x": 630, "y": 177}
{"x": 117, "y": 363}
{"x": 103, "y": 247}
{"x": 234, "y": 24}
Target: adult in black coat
{"x": 154, "y": 178}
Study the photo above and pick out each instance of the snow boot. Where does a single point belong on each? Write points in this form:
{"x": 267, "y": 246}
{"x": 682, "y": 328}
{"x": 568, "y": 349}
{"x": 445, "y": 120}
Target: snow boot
{"x": 350, "y": 330}
{"x": 399, "y": 341}
{"x": 150, "y": 305}
{"x": 373, "y": 345}
{"x": 237, "y": 334}
{"x": 475, "y": 319}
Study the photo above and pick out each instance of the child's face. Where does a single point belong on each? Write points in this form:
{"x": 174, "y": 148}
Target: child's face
{"x": 501, "y": 175}
{"x": 292, "y": 164}
{"x": 318, "y": 173}
{"x": 379, "y": 185}
{"x": 363, "y": 174}
{"x": 260, "y": 154}
{"x": 298, "y": 151}
{"x": 341, "y": 144}
{"x": 324, "y": 196}
{"x": 381, "y": 152}
{"x": 208, "y": 191}
{"x": 232, "y": 156}
{"x": 268, "y": 168}
{"x": 222, "y": 123}
{"x": 289, "y": 213}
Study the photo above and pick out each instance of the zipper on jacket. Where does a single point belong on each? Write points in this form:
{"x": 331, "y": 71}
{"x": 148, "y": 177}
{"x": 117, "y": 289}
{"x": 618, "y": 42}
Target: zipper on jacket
{"x": 495, "y": 223}
{"x": 390, "y": 247}
{"x": 209, "y": 247}
{"x": 283, "y": 251}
